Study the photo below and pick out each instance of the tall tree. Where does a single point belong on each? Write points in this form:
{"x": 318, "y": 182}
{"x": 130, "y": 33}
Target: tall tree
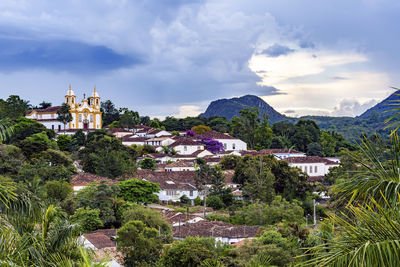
{"x": 44, "y": 105}
{"x": 110, "y": 113}
{"x": 64, "y": 114}
{"x": 128, "y": 118}
{"x": 13, "y": 108}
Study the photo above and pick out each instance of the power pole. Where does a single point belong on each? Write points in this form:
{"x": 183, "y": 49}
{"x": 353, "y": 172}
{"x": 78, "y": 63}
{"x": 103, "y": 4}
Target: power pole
{"x": 315, "y": 215}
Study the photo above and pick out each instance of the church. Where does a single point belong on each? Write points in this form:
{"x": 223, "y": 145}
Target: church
{"x": 85, "y": 115}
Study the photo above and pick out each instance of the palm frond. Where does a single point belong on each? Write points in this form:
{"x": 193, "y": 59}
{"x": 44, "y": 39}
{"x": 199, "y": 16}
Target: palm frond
{"x": 368, "y": 236}
{"x": 5, "y": 129}
{"x": 375, "y": 175}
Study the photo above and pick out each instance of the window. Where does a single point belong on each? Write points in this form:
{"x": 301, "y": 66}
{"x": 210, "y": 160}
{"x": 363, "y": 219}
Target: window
{"x": 40, "y": 116}
{"x": 59, "y": 127}
{"x": 316, "y": 169}
{"x": 310, "y": 169}
{"x": 191, "y": 193}
{"x": 225, "y": 146}
{"x": 185, "y": 148}
{"x": 72, "y": 100}
{"x": 305, "y": 168}
{"x": 233, "y": 146}
{"x": 199, "y": 148}
{"x": 171, "y": 192}
{"x": 52, "y": 116}
{"x": 52, "y": 127}
{"x": 80, "y": 117}
{"x": 91, "y": 117}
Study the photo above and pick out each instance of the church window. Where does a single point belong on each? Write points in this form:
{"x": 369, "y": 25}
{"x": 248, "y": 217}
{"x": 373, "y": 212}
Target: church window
{"x": 91, "y": 117}
{"x": 72, "y": 100}
{"x": 80, "y": 117}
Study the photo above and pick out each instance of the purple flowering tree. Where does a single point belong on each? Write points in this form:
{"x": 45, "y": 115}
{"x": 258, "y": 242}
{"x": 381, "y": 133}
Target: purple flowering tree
{"x": 212, "y": 145}
{"x": 190, "y": 133}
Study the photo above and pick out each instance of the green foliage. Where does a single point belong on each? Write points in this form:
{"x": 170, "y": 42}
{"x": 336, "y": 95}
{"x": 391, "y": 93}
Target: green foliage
{"x": 249, "y": 128}
{"x": 200, "y": 129}
{"x": 44, "y": 172}
{"x": 264, "y": 176}
{"x": 190, "y": 252}
{"x": 13, "y": 107}
{"x": 198, "y": 201}
{"x": 147, "y": 163}
{"x": 215, "y": 202}
{"x": 106, "y": 156}
{"x": 58, "y": 190}
{"x": 184, "y": 200}
{"x": 109, "y": 112}
{"x": 88, "y": 219}
{"x": 36, "y": 143}
{"x": 279, "y": 210}
{"x": 151, "y": 218}
{"x": 314, "y": 149}
{"x": 229, "y": 162}
{"x": 24, "y": 128}
{"x": 139, "y": 244}
{"x": 128, "y": 118}
{"x": 101, "y": 197}
{"x": 64, "y": 142}
{"x": 64, "y": 115}
{"x": 11, "y": 159}
{"x": 138, "y": 191}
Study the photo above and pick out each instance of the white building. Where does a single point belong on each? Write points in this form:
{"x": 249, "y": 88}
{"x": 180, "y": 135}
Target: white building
{"x": 229, "y": 142}
{"x": 313, "y": 166}
{"x": 186, "y": 146}
{"x": 284, "y": 153}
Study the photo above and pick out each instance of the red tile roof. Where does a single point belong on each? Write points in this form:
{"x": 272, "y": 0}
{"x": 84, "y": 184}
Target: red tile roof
{"x": 46, "y": 110}
{"x": 215, "y": 229}
{"x": 313, "y": 159}
{"x": 102, "y": 238}
{"x": 185, "y": 141}
{"x": 216, "y": 135}
{"x": 281, "y": 151}
{"x": 184, "y": 180}
{"x": 180, "y": 163}
{"x": 85, "y": 178}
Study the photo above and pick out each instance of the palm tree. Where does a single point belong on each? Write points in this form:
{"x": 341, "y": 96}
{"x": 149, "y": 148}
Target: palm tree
{"x": 368, "y": 235}
{"x": 376, "y": 178}
{"x": 5, "y": 129}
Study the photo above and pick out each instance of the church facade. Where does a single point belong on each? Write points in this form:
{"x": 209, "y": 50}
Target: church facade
{"x": 86, "y": 115}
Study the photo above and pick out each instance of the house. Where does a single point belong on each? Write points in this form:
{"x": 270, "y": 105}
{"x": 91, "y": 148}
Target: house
{"x": 173, "y": 184}
{"x": 165, "y": 140}
{"x": 83, "y": 179}
{"x": 315, "y": 167}
{"x": 186, "y": 145}
{"x": 85, "y": 115}
{"x": 284, "y": 153}
{"x": 180, "y": 165}
{"x": 120, "y": 132}
{"x": 221, "y": 231}
{"x": 158, "y": 157}
{"x": 146, "y": 131}
{"x": 133, "y": 139}
{"x": 229, "y": 142}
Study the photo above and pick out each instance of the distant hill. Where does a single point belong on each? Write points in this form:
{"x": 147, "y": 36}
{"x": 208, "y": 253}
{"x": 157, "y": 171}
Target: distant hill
{"x": 229, "y": 108}
{"x": 383, "y": 107}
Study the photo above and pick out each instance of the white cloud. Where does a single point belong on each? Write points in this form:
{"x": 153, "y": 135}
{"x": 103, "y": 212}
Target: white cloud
{"x": 188, "y": 111}
{"x": 352, "y": 107}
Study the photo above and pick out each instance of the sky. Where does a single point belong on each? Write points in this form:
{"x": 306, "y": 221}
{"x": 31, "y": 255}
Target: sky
{"x": 173, "y": 57}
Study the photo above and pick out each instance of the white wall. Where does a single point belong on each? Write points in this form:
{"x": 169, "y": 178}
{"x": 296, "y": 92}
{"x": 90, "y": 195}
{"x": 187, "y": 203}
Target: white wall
{"x": 189, "y": 149}
{"x": 162, "y": 195}
{"x": 233, "y": 144}
{"x": 309, "y": 168}
{"x": 178, "y": 169}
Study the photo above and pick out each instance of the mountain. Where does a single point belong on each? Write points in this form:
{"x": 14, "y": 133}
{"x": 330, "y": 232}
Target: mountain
{"x": 383, "y": 107}
{"x": 229, "y": 108}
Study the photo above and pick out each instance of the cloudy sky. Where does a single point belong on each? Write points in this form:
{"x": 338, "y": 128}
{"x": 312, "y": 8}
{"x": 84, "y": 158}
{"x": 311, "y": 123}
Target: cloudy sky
{"x": 172, "y": 57}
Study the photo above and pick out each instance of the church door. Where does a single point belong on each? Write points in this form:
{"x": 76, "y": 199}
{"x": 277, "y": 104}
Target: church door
{"x": 85, "y": 125}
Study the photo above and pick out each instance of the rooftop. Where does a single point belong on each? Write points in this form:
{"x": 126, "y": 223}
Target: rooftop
{"x": 85, "y": 178}
{"x": 313, "y": 159}
{"x": 217, "y": 135}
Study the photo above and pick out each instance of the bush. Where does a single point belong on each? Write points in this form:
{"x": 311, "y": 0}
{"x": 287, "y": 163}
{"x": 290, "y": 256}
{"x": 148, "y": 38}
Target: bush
{"x": 215, "y": 202}
{"x": 138, "y": 191}
{"x": 185, "y": 200}
{"x": 58, "y": 190}
{"x": 88, "y": 219}
{"x": 198, "y": 201}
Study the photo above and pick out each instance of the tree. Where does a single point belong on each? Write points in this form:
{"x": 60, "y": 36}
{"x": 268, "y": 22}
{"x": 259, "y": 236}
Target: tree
{"x": 13, "y": 108}
{"x": 24, "y": 128}
{"x": 11, "y": 159}
{"x": 306, "y": 132}
{"x": 250, "y": 128}
{"x": 190, "y": 252}
{"x": 64, "y": 142}
{"x": 64, "y": 115}
{"x": 138, "y": 243}
{"x": 36, "y": 143}
{"x": 314, "y": 149}
{"x": 147, "y": 163}
{"x": 44, "y": 105}
{"x": 128, "y": 118}
{"x": 328, "y": 144}
{"x": 58, "y": 190}
{"x": 151, "y": 218}
{"x": 105, "y": 155}
{"x": 229, "y": 162}
{"x": 109, "y": 112}
{"x": 199, "y": 129}
{"x": 138, "y": 191}
{"x": 88, "y": 219}
{"x": 100, "y": 197}
{"x": 215, "y": 202}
